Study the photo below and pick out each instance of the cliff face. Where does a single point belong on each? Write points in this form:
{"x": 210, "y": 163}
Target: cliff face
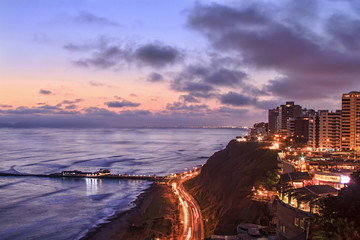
{"x": 224, "y": 186}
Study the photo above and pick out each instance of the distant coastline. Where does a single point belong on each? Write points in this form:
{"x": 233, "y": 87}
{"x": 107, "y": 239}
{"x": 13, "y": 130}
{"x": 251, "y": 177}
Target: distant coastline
{"x": 24, "y": 126}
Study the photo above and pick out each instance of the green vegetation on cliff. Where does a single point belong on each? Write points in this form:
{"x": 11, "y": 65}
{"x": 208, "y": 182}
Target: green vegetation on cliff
{"x": 223, "y": 189}
{"x": 339, "y": 216}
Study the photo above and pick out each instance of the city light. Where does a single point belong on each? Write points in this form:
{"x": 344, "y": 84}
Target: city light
{"x": 344, "y": 179}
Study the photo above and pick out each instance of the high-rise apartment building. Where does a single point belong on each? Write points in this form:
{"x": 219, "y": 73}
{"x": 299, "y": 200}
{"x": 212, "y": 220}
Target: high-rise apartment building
{"x": 329, "y": 130}
{"x": 350, "y": 121}
{"x": 290, "y": 110}
{"x": 273, "y": 120}
{"x": 298, "y": 127}
{"x": 325, "y": 130}
{"x": 313, "y": 131}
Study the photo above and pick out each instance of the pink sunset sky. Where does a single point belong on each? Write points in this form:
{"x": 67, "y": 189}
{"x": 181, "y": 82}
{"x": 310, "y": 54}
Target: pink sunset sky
{"x": 140, "y": 63}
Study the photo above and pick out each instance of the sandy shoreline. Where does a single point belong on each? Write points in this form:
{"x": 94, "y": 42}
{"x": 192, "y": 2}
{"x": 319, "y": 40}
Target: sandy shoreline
{"x": 153, "y": 211}
{"x": 116, "y": 225}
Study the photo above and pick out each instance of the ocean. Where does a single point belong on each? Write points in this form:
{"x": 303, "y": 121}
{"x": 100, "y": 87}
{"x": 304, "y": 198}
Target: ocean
{"x": 60, "y": 208}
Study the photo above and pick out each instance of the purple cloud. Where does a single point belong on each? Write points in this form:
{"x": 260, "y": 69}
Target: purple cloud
{"x": 45, "y": 92}
{"x": 72, "y": 102}
{"x": 89, "y": 18}
{"x": 236, "y": 99}
{"x": 107, "y": 55}
{"x": 312, "y": 65}
{"x": 121, "y": 104}
{"x": 155, "y": 77}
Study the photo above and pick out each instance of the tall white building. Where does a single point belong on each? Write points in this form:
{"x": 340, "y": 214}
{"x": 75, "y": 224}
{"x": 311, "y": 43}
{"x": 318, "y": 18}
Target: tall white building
{"x": 329, "y": 130}
{"x": 313, "y": 141}
{"x": 350, "y": 121}
{"x": 325, "y": 130}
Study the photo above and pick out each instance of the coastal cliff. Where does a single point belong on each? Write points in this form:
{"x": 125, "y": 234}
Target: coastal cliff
{"x": 223, "y": 189}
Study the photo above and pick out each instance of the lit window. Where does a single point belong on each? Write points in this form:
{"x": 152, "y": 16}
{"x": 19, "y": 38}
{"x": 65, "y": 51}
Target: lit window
{"x": 296, "y": 221}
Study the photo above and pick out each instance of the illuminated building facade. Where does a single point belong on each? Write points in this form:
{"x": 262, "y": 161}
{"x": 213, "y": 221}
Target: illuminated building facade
{"x": 334, "y": 179}
{"x": 290, "y": 110}
{"x": 329, "y": 130}
{"x": 258, "y": 131}
{"x": 313, "y": 141}
{"x": 295, "y": 207}
{"x": 273, "y": 120}
{"x": 298, "y": 127}
{"x": 350, "y": 121}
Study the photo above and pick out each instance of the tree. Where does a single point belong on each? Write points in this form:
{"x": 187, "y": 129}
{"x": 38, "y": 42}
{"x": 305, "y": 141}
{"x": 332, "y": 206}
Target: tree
{"x": 339, "y": 216}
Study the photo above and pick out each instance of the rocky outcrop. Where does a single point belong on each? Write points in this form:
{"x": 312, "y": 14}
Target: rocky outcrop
{"x": 224, "y": 186}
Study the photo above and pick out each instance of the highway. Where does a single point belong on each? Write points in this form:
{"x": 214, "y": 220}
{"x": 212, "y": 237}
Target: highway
{"x": 190, "y": 213}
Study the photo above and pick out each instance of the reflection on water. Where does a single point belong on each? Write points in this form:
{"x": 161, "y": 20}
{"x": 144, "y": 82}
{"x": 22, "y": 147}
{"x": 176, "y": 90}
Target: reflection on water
{"x": 92, "y": 185}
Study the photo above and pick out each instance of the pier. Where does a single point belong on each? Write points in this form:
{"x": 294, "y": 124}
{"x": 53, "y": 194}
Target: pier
{"x": 87, "y": 175}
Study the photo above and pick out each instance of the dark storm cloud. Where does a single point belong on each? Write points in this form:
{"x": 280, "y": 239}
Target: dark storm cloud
{"x": 203, "y": 80}
{"x": 121, "y": 104}
{"x": 177, "y": 114}
{"x": 220, "y": 17}
{"x": 231, "y": 112}
{"x": 199, "y": 110}
{"x": 240, "y": 99}
{"x": 98, "y": 111}
{"x": 267, "y": 104}
{"x": 345, "y": 31}
{"x": 89, "y": 18}
{"x": 155, "y": 77}
{"x": 108, "y": 55}
{"x": 225, "y": 77}
{"x": 45, "y": 109}
{"x": 189, "y": 99}
{"x": 45, "y": 92}
{"x": 180, "y": 106}
{"x": 5, "y": 106}
{"x": 135, "y": 113}
{"x": 72, "y": 101}
{"x": 49, "y": 107}
{"x": 194, "y": 87}
{"x": 312, "y": 64}
{"x": 157, "y": 55}
{"x": 236, "y": 99}
{"x": 71, "y": 107}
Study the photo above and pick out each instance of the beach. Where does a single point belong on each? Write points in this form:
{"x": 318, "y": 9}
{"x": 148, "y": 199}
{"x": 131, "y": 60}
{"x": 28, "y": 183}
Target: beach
{"x": 154, "y": 215}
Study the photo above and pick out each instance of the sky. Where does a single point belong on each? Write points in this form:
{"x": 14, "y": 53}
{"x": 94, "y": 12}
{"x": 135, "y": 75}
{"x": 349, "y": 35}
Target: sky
{"x": 178, "y": 63}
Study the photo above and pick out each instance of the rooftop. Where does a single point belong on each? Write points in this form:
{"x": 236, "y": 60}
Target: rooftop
{"x": 294, "y": 177}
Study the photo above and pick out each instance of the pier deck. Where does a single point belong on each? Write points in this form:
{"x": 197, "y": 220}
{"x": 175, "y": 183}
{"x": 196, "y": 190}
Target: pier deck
{"x": 110, "y": 176}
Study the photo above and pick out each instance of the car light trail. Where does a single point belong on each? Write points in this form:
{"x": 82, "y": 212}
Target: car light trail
{"x": 192, "y": 224}
{"x": 189, "y": 234}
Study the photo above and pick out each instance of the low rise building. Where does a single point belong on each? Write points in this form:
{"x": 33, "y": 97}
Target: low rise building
{"x": 337, "y": 180}
{"x": 295, "y": 180}
{"x": 258, "y": 131}
{"x": 295, "y": 208}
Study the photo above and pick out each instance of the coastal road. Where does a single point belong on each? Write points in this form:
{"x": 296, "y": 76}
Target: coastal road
{"x": 189, "y": 210}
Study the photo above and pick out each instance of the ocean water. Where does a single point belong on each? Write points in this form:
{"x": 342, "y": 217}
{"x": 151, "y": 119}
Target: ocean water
{"x": 60, "y": 208}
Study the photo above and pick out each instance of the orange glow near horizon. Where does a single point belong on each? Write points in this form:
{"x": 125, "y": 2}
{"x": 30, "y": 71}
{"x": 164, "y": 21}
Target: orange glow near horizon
{"x": 17, "y": 92}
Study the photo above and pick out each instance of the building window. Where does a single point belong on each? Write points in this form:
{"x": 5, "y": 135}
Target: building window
{"x": 296, "y": 221}
{"x": 302, "y": 223}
